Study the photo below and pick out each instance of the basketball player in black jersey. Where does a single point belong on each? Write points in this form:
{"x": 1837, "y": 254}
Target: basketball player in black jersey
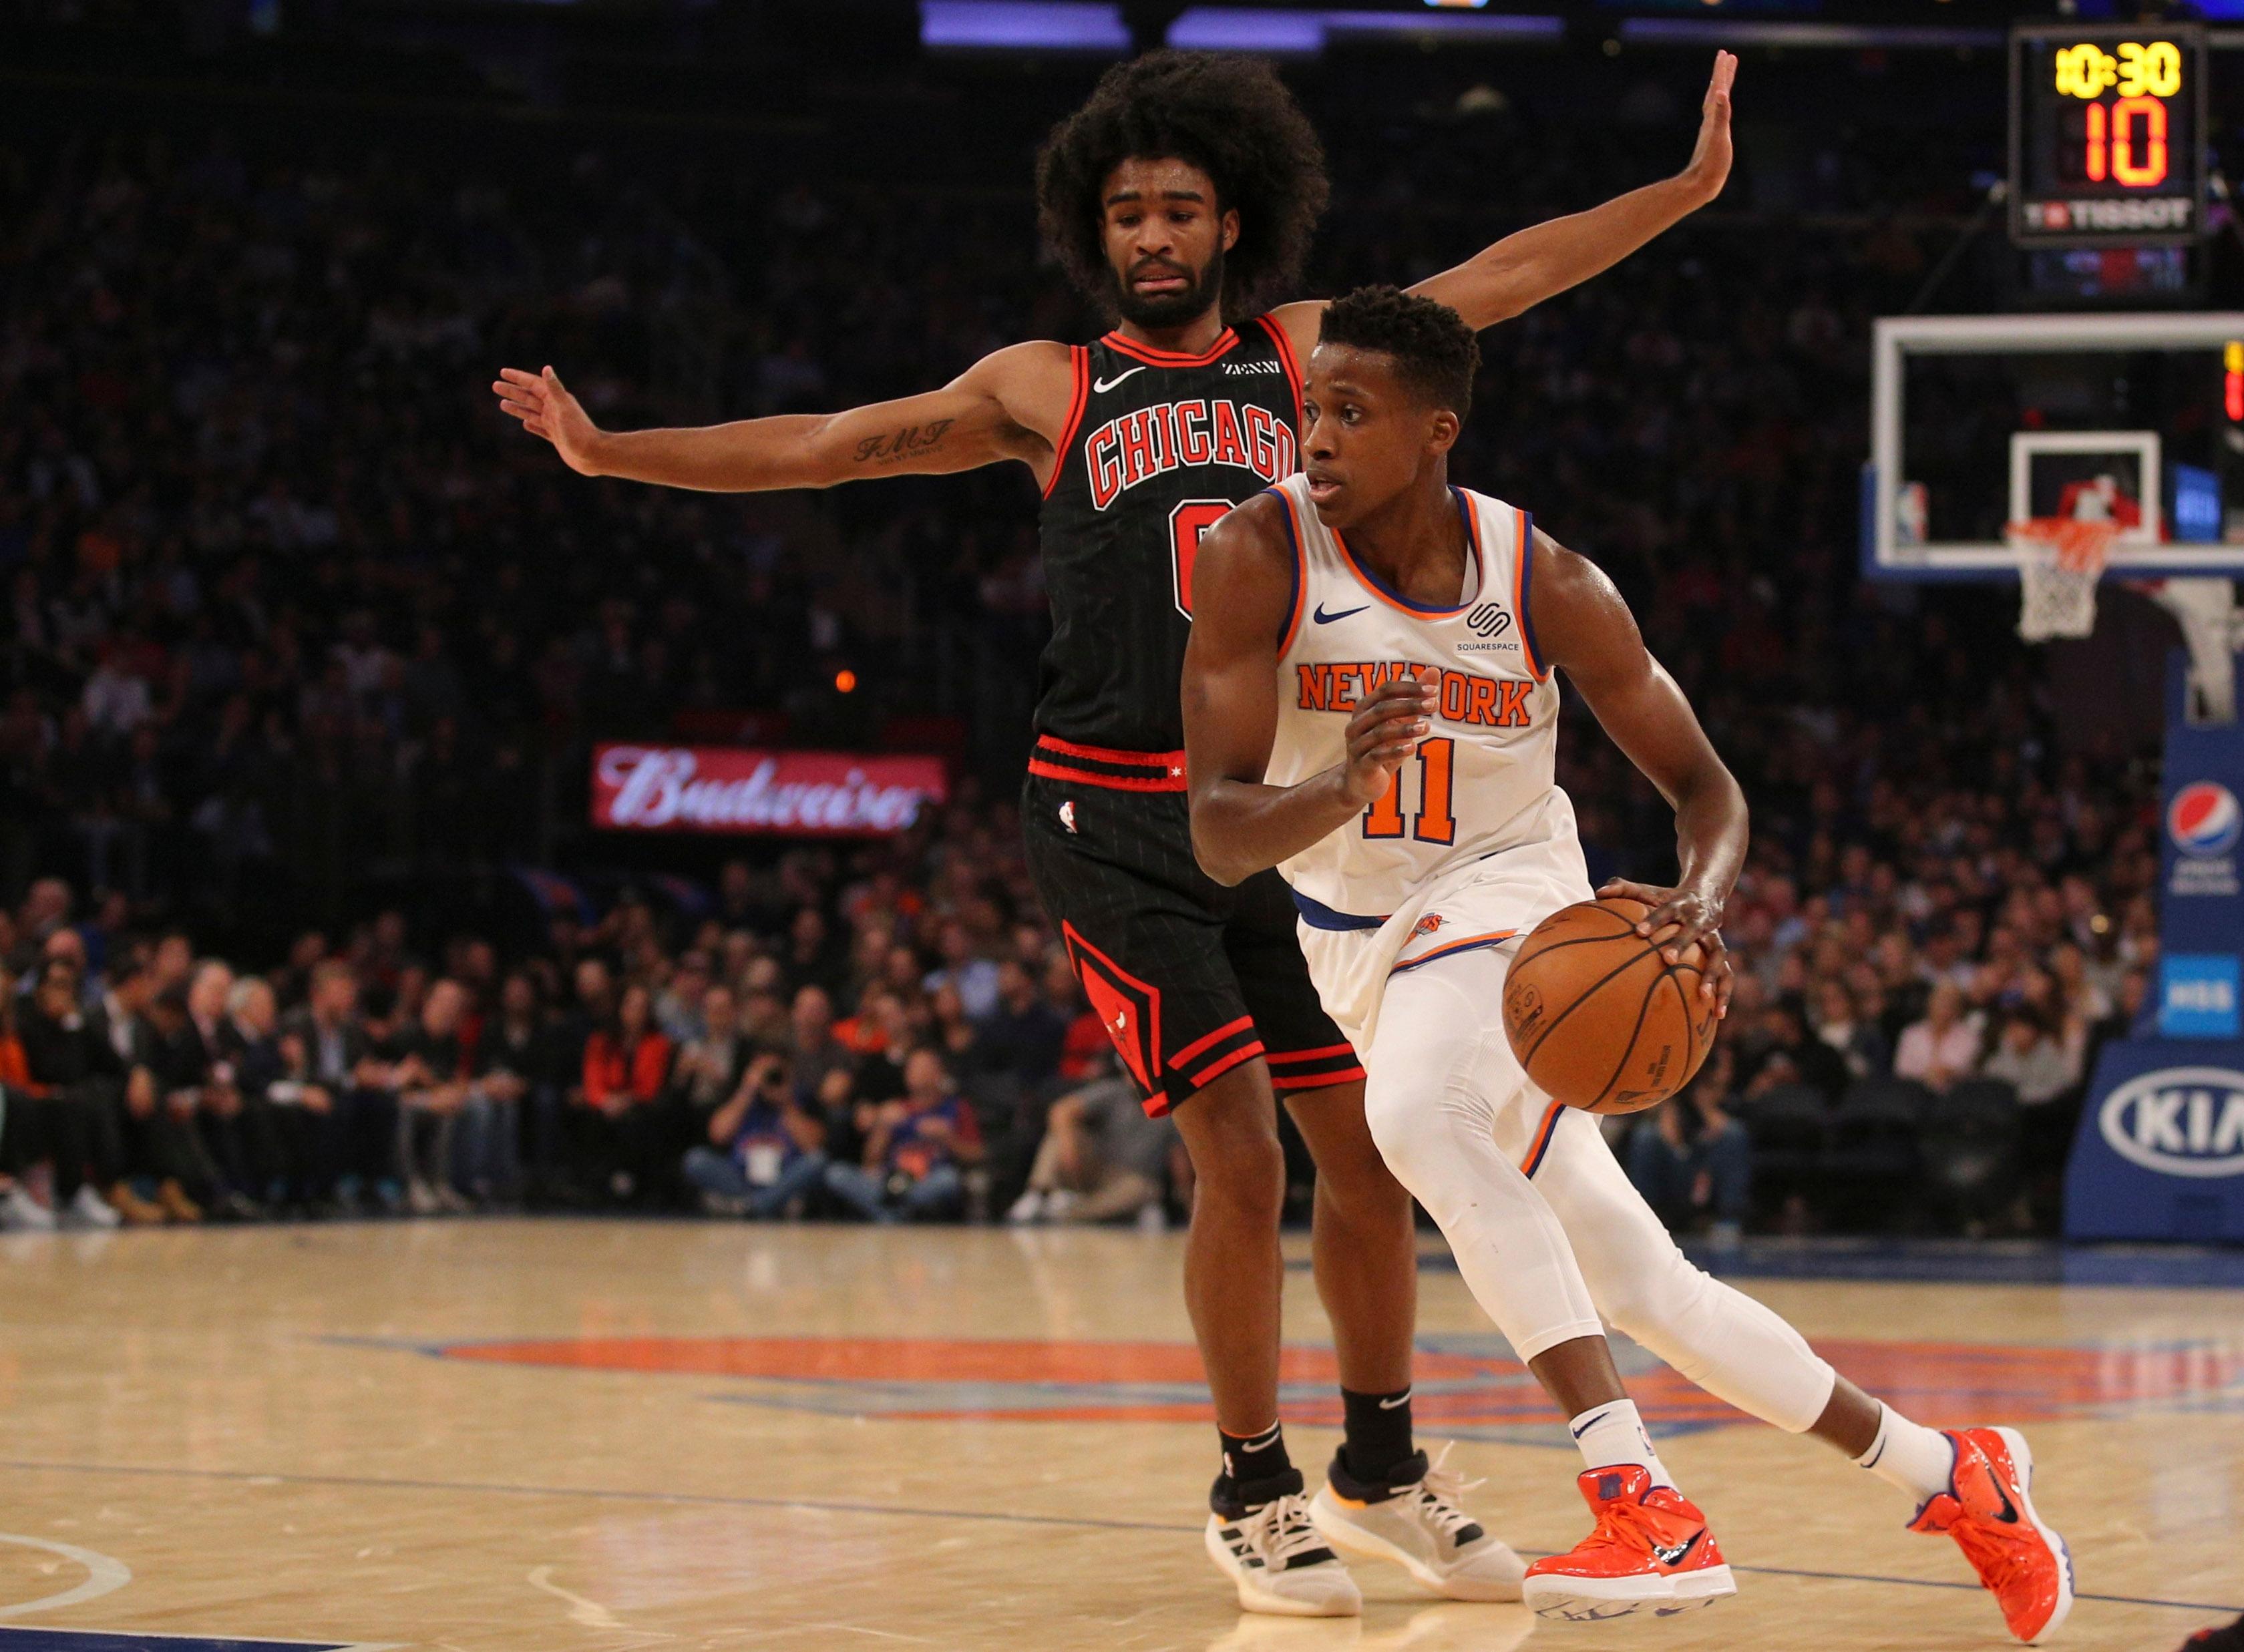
{"x": 1181, "y": 198}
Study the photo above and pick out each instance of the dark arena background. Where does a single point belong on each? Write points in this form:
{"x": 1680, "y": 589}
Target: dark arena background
{"x": 422, "y": 867}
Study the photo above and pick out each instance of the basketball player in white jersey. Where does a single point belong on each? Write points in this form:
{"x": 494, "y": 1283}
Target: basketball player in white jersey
{"x": 1369, "y": 706}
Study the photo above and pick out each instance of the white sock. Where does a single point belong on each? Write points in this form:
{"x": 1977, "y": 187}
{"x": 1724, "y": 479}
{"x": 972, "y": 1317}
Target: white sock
{"x": 1909, "y": 1455}
{"x": 1614, "y": 1433}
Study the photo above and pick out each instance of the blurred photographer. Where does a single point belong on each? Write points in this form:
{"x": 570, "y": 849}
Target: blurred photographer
{"x": 766, "y": 1149}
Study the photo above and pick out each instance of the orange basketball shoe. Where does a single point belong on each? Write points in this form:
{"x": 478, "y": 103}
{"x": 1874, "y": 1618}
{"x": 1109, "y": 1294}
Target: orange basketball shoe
{"x": 1651, "y": 1551}
{"x": 2024, "y": 1564}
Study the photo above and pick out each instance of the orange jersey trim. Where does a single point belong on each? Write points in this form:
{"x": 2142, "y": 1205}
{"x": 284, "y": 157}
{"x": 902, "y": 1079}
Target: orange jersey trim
{"x": 1495, "y": 937}
{"x": 1533, "y": 1162}
{"x": 1301, "y": 574}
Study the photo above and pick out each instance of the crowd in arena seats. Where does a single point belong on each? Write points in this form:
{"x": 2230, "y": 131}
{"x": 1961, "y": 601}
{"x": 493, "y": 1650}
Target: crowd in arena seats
{"x": 758, "y": 1065}
{"x": 299, "y": 626}
{"x": 893, "y": 1032}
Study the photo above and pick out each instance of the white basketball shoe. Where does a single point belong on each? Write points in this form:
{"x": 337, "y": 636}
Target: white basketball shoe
{"x": 1422, "y": 1525}
{"x": 1275, "y": 1558}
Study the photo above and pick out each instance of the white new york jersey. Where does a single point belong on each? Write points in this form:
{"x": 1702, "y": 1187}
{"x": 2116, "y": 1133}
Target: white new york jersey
{"x": 1477, "y": 805}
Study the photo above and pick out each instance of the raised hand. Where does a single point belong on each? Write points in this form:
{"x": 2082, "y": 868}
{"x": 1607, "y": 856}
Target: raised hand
{"x": 1710, "y": 162}
{"x": 547, "y": 409}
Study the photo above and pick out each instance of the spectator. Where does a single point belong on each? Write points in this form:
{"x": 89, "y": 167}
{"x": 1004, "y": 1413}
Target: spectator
{"x": 1691, "y": 1159}
{"x": 1102, "y": 1158}
{"x": 513, "y": 1074}
{"x": 1780, "y": 1051}
{"x": 275, "y": 1079}
{"x": 623, "y": 1130}
{"x": 1853, "y": 1034}
{"x": 815, "y": 1053}
{"x": 975, "y": 979}
{"x": 351, "y": 1149}
{"x": 66, "y": 1066}
{"x": 442, "y": 1114}
{"x": 1944, "y": 1046}
{"x": 915, "y": 1152}
{"x": 2030, "y": 1059}
{"x": 765, "y": 1152}
{"x": 1024, "y": 1034}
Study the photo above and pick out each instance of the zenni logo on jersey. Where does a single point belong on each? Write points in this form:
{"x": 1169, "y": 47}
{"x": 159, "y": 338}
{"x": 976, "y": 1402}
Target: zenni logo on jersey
{"x": 2204, "y": 818}
{"x": 2180, "y": 1121}
{"x": 1175, "y": 435}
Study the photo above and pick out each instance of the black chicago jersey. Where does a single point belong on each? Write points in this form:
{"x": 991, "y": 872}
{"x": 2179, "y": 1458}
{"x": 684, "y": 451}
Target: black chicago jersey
{"x": 1157, "y": 446}
{"x": 1190, "y": 978}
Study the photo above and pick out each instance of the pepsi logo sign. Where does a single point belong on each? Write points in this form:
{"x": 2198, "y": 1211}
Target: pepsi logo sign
{"x": 2179, "y": 1120}
{"x": 2204, "y": 818}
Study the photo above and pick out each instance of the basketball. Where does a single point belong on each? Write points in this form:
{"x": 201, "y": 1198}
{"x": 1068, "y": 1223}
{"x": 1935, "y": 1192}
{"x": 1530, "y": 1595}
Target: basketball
{"x": 1597, "y": 1017}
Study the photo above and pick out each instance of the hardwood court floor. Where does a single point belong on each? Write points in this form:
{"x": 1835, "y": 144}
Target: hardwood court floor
{"x": 600, "y": 1437}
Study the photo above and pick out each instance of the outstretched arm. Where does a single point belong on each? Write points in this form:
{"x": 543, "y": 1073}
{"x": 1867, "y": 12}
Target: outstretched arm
{"x": 1242, "y": 590}
{"x": 1582, "y": 626}
{"x": 1543, "y": 261}
{"x": 1009, "y": 405}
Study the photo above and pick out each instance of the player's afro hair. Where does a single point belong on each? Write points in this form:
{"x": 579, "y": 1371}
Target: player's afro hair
{"x": 1228, "y": 115}
{"x": 1435, "y": 352}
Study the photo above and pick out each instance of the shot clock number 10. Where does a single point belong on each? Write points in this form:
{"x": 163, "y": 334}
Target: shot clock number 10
{"x": 2106, "y": 136}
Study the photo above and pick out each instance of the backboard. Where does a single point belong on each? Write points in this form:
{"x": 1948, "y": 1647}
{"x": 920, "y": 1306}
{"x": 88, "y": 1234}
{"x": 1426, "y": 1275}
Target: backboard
{"x": 1981, "y": 420}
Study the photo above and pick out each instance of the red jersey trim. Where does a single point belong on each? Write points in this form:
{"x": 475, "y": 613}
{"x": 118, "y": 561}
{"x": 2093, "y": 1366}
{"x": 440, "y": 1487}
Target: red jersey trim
{"x": 1226, "y": 342}
{"x": 1079, "y": 363}
{"x": 1112, "y": 783}
{"x": 1284, "y": 345}
{"x": 1108, "y": 754}
{"x": 1201, "y": 1046}
{"x": 1207, "y": 1075}
{"x": 1318, "y": 1081}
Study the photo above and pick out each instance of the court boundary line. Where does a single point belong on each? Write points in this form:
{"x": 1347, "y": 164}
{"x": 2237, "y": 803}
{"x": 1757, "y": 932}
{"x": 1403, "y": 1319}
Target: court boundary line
{"x": 895, "y": 1511}
{"x": 190, "y": 1635}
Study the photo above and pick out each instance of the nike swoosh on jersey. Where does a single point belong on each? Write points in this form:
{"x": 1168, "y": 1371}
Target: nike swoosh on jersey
{"x": 1102, "y": 386}
{"x": 1323, "y": 619}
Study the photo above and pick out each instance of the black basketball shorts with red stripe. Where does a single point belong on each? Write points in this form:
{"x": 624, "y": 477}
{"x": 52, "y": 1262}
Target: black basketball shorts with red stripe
{"x": 1192, "y": 979}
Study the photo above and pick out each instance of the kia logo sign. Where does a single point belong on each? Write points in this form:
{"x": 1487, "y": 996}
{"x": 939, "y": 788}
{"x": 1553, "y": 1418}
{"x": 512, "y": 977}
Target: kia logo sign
{"x": 2204, "y": 818}
{"x": 2179, "y": 1120}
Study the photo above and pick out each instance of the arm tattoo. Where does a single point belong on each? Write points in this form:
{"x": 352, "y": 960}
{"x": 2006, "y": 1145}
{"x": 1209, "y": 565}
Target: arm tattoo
{"x": 908, "y": 443}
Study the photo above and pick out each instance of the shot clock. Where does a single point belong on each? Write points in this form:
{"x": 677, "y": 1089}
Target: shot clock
{"x": 2107, "y": 135}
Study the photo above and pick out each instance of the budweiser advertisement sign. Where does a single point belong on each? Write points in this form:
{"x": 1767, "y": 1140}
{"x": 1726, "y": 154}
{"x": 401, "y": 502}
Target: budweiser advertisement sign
{"x": 735, "y": 789}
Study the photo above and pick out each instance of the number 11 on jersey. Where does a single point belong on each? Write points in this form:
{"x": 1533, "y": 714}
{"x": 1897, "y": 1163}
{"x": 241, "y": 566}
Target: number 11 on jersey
{"x": 1433, "y": 823}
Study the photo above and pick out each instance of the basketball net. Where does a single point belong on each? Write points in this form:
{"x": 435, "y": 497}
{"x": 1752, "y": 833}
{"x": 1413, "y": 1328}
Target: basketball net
{"x": 2060, "y": 560}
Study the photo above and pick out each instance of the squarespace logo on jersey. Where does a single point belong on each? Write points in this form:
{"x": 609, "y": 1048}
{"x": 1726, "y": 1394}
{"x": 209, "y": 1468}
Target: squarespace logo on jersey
{"x": 2179, "y": 1120}
{"x": 735, "y": 789}
{"x": 2204, "y": 823}
{"x": 1136, "y": 447}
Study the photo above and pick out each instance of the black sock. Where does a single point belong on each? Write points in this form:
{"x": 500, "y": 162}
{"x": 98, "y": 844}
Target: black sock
{"x": 1248, "y": 1462}
{"x": 1378, "y": 1439}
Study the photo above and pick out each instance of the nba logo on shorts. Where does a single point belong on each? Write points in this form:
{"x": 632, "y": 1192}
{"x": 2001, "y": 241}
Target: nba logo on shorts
{"x": 2205, "y": 818}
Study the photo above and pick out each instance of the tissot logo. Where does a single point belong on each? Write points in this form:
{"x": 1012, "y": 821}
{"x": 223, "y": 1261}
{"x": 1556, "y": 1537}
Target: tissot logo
{"x": 2181, "y": 1120}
